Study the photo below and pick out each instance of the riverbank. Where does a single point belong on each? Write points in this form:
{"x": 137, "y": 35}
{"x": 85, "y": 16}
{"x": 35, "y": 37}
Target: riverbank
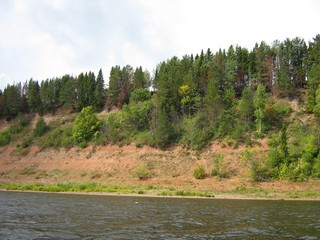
{"x": 114, "y": 169}
{"x": 92, "y": 188}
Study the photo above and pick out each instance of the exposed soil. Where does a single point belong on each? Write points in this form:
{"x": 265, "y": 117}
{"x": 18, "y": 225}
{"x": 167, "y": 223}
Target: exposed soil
{"x": 115, "y": 165}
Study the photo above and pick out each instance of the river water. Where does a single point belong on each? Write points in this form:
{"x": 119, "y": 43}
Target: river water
{"x": 67, "y": 216}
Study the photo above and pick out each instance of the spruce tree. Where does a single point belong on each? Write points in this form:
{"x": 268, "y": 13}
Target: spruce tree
{"x": 99, "y": 92}
{"x": 114, "y": 84}
{"x": 82, "y": 91}
{"x": 34, "y": 100}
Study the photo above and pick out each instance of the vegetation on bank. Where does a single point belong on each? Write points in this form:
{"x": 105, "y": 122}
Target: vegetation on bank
{"x": 152, "y": 190}
{"x": 235, "y": 95}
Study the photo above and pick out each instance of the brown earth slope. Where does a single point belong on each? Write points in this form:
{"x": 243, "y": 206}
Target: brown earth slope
{"x": 112, "y": 164}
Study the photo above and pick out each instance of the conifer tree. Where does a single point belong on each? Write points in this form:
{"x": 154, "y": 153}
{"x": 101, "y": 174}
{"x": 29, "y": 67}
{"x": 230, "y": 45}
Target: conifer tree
{"x": 114, "y": 84}
{"x": 139, "y": 80}
{"x": 67, "y": 94}
{"x": 34, "y": 100}
{"x": 81, "y": 92}
{"x": 12, "y": 101}
{"x": 99, "y": 92}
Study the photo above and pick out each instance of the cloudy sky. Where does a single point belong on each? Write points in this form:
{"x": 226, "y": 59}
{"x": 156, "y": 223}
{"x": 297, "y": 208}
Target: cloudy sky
{"x": 48, "y": 38}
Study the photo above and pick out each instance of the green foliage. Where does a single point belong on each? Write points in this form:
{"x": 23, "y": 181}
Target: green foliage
{"x": 41, "y": 127}
{"x": 293, "y": 157}
{"x": 22, "y": 120}
{"x": 142, "y": 172}
{"x": 115, "y": 132}
{"x": 135, "y": 116}
{"x": 258, "y": 171}
{"x": 316, "y": 108}
{"x": 132, "y": 120}
{"x": 164, "y": 133}
{"x": 99, "y": 92}
{"x": 276, "y": 113}
{"x": 259, "y": 102}
{"x": 199, "y": 172}
{"x": 217, "y": 171}
{"x": 313, "y": 85}
{"x": 196, "y": 131}
{"x": 34, "y": 99}
{"x": 190, "y": 101}
{"x": 26, "y": 142}
{"x": 57, "y": 138}
{"x": 86, "y": 126}
{"x": 284, "y": 145}
{"x": 67, "y": 93}
{"x": 193, "y": 100}
{"x": 140, "y": 95}
{"x": 316, "y": 167}
{"x": 13, "y": 101}
{"x": 5, "y": 138}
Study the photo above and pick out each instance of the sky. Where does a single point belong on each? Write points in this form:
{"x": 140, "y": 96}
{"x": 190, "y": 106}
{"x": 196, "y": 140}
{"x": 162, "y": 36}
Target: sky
{"x": 43, "y": 39}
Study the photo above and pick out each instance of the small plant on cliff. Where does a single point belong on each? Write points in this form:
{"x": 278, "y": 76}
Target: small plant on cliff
{"x": 86, "y": 127}
{"x": 41, "y": 127}
{"x": 4, "y": 138}
{"x": 142, "y": 172}
{"x": 199, "y": 172}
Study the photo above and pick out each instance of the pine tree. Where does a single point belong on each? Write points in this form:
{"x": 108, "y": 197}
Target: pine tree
{"x": 67, "y": 94}
{"x": 99, "y": 92}
{"x": 213, "y": 103}
{"x": 313, "y": 74}
{"x": 90, "y": 88}
{"x": 81, "y": 92}
{"x": 139, "y": 80}
{"x": 12, "y": 101}
{"x": 114, "y": 84}
{"x": 34, "y": 100}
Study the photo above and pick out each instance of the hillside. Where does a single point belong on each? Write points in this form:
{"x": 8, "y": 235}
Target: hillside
{"x": 171, "y": 168}
{"x": 236, "y": 118}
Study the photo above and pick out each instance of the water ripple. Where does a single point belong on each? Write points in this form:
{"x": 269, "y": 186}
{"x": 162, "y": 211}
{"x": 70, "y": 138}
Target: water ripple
{"x": 56, "y": 216}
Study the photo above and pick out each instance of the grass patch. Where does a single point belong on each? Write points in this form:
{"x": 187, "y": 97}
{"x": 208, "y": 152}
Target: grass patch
{"x": 28, "y": 171}
{"x": 193, "y": 193}
{"x": 238, "y": 192}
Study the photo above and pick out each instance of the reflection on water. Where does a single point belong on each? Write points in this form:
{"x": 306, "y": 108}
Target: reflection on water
{"x": 62, "y": 216}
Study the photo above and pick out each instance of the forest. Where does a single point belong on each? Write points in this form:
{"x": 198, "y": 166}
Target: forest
{"x": 236, "y": 95}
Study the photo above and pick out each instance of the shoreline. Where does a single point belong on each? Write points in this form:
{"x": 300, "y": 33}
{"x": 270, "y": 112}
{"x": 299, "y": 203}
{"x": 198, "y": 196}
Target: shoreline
{"x": 149, "y": 195}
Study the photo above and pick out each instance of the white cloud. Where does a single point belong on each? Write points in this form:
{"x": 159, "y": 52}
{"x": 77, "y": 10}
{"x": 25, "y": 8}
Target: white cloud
{"x": 4, "y": 80}
{"x": 43, "y": 39}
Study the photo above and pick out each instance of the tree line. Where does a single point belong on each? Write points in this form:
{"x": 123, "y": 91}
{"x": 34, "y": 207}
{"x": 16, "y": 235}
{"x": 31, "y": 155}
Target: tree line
{"x": 283, "y": 68}
{"x": 226, "y": 95}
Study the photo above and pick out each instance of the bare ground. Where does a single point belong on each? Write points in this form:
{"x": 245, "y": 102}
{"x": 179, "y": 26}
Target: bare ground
{"x": 111, "y": 164}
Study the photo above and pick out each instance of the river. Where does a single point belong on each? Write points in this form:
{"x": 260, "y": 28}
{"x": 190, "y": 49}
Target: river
{"x": 26, "y": 215}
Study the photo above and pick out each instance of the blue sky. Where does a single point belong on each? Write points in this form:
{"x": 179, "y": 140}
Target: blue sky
{"x": 47, "y": 38}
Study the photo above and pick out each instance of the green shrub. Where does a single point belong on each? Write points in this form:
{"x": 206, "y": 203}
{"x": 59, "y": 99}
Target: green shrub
{"x": 216, "y": 171}
{"x": 140, "y": 95}
{"x": 142, "y": 172}
{"x": 26, "y": 142}
{"x": 5, "y": 138}
{"x": 41, "y": 127}
{"x": 15, "y": 128}
{"x": 316, "y": 167}
{"x": 196, "y": 131}
{"x": 199, "y": 172}
{"x": 86, "y": 126}
{"x": 59, "y": 137}
{"x": 258, "y": 172}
